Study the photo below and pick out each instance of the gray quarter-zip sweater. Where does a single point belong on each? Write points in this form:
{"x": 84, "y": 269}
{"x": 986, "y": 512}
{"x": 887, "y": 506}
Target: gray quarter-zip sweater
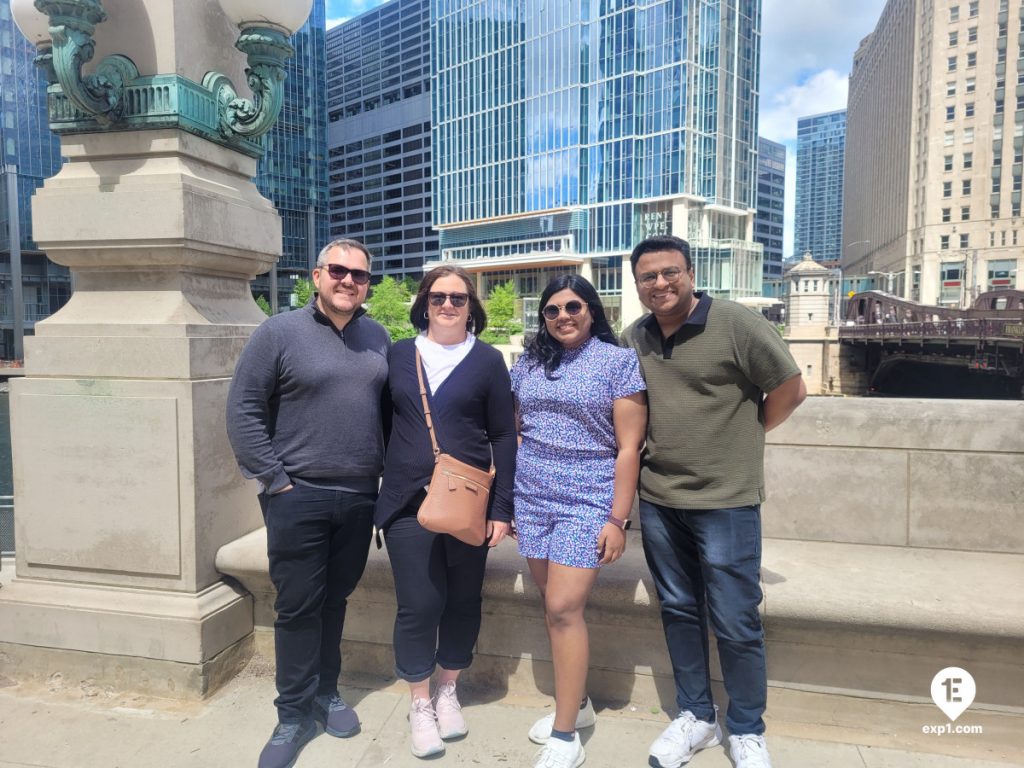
{"x": 305, "y": 402}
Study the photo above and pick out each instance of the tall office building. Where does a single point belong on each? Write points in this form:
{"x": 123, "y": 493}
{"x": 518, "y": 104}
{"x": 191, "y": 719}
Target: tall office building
{"x": 564, "y": 133}
{"x": 378, "y": 95}
{"x": 820, "y": 160}
{"x": 771, "y": 207}
{"x": 31, "y": 154}
{"x": 935, "y": 141}
{"x": 293, "y": 172}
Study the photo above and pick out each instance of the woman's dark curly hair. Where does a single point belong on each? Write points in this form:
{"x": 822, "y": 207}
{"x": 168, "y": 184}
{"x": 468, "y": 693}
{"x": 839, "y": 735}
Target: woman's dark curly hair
{"x": 547, "y": 351}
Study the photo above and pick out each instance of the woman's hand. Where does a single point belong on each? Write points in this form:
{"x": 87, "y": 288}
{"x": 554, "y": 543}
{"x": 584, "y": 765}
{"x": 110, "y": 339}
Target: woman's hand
{"x": 496, "y": 531}
{"x": 611, "y": 543}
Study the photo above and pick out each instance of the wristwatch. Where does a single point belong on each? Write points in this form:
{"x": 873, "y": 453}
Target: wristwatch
{"x": 623, "y": 524}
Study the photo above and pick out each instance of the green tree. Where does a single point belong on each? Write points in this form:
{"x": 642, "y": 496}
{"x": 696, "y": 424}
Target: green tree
{"x": 262, "y": 303}
{"x": 302, "y": 291}
{"x": 389, "y": 306}
{"x": 501, "y": 311}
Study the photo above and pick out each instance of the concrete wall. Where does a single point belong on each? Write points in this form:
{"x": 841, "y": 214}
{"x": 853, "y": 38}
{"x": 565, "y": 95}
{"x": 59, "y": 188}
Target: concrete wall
{"x": 946, "y": 474}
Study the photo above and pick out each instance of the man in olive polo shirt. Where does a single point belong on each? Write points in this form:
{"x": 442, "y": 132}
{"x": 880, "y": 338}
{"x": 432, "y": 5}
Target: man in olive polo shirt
{"x": 718, "y": 377}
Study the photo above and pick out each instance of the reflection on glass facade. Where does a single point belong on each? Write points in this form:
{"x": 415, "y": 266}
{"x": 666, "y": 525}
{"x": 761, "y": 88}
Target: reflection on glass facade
{"x": 31, "y": 149}
{"x": 293, "y": 173}
{"x": 378, "y": 100}
{"x": 771, "y": 204}
{"x": 820, "y": 159}
{"x": 577, "y": 128}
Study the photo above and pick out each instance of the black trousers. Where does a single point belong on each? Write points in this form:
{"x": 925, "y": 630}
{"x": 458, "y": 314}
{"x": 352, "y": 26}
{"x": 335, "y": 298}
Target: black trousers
{"x": 317, "y": 543}
{"x": 437, "y": 583}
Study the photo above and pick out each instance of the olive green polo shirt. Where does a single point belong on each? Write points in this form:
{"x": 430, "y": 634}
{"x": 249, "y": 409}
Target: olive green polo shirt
{"x": 705, "y": 385}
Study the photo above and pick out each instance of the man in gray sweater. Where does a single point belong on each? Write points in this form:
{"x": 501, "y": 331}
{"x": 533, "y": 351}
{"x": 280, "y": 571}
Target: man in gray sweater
{"x": 306, "y": 418}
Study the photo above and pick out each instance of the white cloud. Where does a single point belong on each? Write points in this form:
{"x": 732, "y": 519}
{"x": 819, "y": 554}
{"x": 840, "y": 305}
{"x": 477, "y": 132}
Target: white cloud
{"x": 824, "y": 91}
{"x": 332, "y": 23}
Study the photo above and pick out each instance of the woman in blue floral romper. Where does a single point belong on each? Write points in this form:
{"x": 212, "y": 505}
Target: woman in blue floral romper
{"x": 582, "y": 410}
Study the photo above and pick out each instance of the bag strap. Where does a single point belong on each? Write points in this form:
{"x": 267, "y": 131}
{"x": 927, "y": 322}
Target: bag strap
{"x": 426, "y": 406}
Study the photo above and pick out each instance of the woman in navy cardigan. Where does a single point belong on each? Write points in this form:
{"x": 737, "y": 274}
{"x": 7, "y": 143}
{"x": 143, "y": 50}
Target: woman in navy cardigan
{"x": 438, "y": 578}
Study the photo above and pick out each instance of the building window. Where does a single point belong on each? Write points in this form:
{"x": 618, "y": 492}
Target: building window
{"x": 996, "y": 184}
{"x": 972, "y": 59}
{"x": 953, "y": 38}
{"x": 972, "y": 34}
{"x": 946, "y": 215}
{"x": 951, "y": 64}
{"x": 943, "y": 242}
{"x": 954, "y": 13}
{"x": 969, "y": 85}
{"x": 968, "y": 159}
{"x": 999, "y": 106}
{"x": 947, "y": 139}
{"x": 965, "y": 240}
{"x": 972, "y": 9}
{"x": 950, "y": 112}
{"x": 947, "y": 188}
{"x": 965, "y": 187}
{"x": 991, "y": 239}
{"x": 968, "y": 135}
{"x": 969, "y": 109}
{"x": 1016, "y": 184}
{"x": 965, "y": 213}
{"x": 994, "y": 211}
{"x": 947, "y": 163}
{"x": 951, "y": 88}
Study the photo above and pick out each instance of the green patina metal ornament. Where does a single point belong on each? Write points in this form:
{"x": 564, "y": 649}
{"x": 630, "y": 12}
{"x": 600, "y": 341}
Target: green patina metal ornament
{"x": 117, "y": 98}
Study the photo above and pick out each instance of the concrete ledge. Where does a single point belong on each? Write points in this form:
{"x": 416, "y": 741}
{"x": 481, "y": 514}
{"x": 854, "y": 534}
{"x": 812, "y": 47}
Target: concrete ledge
{"x": 842, "y": 619}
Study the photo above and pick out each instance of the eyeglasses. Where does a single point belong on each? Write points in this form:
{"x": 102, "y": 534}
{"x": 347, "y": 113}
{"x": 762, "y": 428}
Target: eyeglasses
{"x": 437, "y": 299}
{"x": 671, "y": 275}
{"x": 338, "y": 272}
{"x": 572, "y": 308}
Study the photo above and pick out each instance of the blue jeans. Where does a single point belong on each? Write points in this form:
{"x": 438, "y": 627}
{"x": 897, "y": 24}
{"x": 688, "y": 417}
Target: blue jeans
{"x": 707, "y": 562}
{"x": 317, "y": 542}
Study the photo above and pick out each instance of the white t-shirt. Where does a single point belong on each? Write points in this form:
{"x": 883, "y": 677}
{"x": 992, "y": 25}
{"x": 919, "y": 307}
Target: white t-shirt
{"x": 439, "y": 360}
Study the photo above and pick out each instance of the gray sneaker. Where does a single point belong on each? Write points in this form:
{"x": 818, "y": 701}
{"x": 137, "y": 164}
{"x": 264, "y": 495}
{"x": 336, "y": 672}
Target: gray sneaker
{"x": 337, "y": 717}
{"x": 285, "y": 744}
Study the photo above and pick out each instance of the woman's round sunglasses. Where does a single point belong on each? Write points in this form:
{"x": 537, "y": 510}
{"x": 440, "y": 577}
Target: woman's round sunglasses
{"x": 436, "y": 299}
{"x": 572, "y": 308}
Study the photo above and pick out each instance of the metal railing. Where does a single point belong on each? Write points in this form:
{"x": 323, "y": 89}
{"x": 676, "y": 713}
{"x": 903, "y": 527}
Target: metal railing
{"x": 6, "y": 525}
{"x": 966, "y": 328}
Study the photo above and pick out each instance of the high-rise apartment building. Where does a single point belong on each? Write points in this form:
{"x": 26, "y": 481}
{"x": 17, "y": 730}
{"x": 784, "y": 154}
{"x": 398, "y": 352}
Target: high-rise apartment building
{"x": 771, "y": 207}
{"x": 564, "y": 133}
{"x": 31, "y": 154}
{"x": 378, "y": 94}
{"x": 293, "y": 172}
{"x": 935, "y": 143}
{"x": 820, "y": 160}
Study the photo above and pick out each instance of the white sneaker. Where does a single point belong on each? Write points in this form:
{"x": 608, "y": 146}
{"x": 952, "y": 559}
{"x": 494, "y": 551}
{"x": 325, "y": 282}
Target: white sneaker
{"x": 561, "y": 754}
{"x": 684, "y": 737}
{"x": 425, "y": 740}
{"x": 450, "y": 722}
{"x": 541, "y": 730}
{"x": 749, "y": 751}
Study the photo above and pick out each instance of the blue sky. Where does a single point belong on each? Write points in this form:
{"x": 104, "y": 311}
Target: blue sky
{"x": 807, "y": 47}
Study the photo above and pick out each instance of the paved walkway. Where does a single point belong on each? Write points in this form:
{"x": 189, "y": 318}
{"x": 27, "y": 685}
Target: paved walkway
{"x": 57, "y": 727}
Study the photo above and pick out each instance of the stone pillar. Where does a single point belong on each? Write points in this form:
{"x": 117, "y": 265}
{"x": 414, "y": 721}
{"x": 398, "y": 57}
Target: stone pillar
{"x": 125, "y": 484}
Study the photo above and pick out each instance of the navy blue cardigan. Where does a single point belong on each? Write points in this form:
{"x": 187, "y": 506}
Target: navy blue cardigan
{"x": 474, "y": 420}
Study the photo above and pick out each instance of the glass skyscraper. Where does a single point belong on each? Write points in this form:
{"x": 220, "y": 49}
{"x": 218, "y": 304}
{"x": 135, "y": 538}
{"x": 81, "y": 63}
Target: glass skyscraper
{"x": 293, "y": 173}
{"x": 771, "y": 206}
{"x": 32, "y": 153}
{"x": 565, "y": 132}
{"x": 378, "y": 101}
{"x": 820, "y": 159}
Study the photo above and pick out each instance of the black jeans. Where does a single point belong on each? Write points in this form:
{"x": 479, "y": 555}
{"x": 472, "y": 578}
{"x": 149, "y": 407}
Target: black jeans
{"x": 437, "y": 583}
{"x": 317, "y": 542}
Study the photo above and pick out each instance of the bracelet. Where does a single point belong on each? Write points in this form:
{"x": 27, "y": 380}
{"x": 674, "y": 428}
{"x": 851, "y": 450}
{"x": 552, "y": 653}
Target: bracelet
{"x": 621, "y": 524}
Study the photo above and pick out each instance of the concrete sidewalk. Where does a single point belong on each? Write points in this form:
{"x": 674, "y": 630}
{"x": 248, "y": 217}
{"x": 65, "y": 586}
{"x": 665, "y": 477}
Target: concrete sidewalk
{"x": 58, "y": 726}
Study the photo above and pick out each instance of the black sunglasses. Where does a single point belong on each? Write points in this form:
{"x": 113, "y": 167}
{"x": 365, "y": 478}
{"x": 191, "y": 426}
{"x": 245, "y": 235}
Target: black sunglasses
{"x": 436, "y": 299}
{"x": 572, "y": 308}
{"x": 338, "y": 272}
